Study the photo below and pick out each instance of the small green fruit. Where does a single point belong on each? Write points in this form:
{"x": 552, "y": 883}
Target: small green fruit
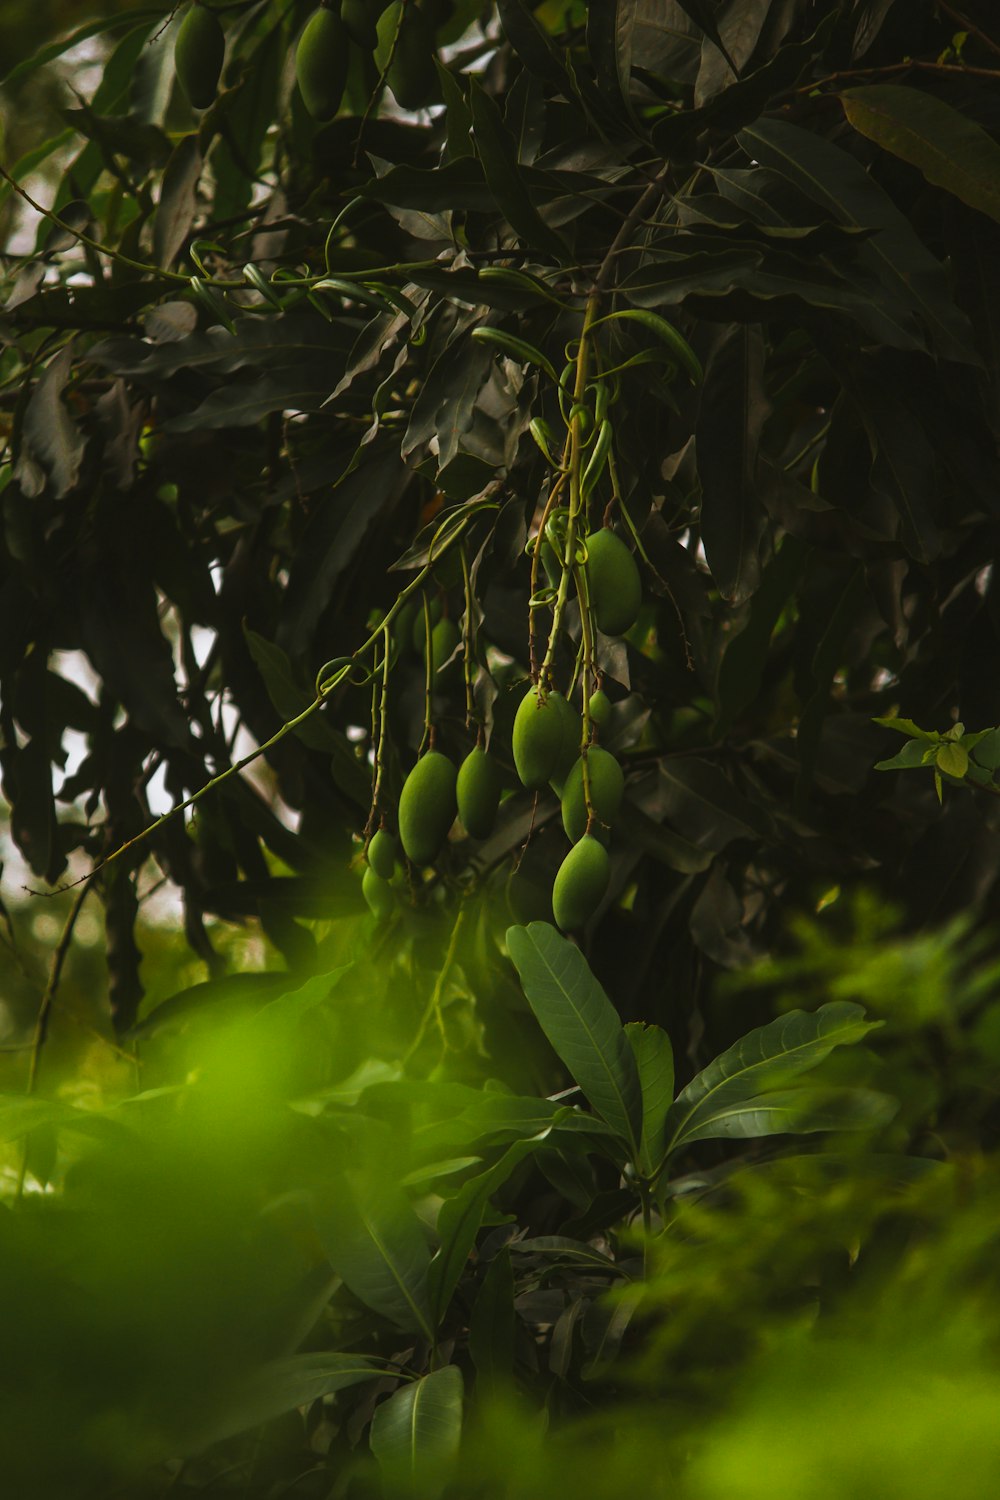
{"x": 571, "y": 731}
{"x": 199, "y": 53}
{"x": 601, "y": 709}
{"x": 478, "y": 792}
{"x": 537, "y": 739}
{"x": 413, "y": 76}
{"x": 418, "y": 630}
{"x": 321, "y": 60}
{"x": 382, "y": 854}
{"x": 580, "y": 884}
{"x": 615, "y": 585}
{"x": 360, "y": 17}
{"x": 607, "y": 785}
{"x": 444, "y": 638}
{"x": 427, "y": 807}
{"x": 379, "y": 895}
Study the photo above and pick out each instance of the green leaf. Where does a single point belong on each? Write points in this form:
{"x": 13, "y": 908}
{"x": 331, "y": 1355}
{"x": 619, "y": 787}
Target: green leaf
{"x": 987, "y": 750}
{"x": 796, "y": 1111}
{"x": 374, "y": 1240}
{"x": 503, "y": 174}
{"x": 951, "y": 150}
{"x": 912, "y": 756}
{"x": 417, "y": 1431}
{"x": 905, "y": 726}
{"x": 20, "y": 1114}
{"x": 459, "y": 1221}
{"x": 493, "y": 1327}
{"x": 953, "y": 760}
{"x": 654, "y": 1058}
{"x": 49, "y": 53}
{"x": 764, "y": 1059}
{"x": 582, "y": 1025}
{"x": 832, "y": 178}
{"x": 284, "y": 1384}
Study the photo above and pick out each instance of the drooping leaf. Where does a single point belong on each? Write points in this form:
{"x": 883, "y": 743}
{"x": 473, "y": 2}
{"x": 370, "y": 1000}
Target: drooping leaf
{"x": 493, "y": 1326}
{"x": 416, "y": 1433}
{"x": 655, "y": 1060}
{"x": 580, "y": 1022}
{"x": 284, "y": 1384}
{"x": 952, "y": 151}
{"x": 765, "y": 1060}
{"x": 374, "y": 1240}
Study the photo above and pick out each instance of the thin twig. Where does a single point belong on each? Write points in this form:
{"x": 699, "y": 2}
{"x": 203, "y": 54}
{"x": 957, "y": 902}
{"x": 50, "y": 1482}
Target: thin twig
{"x": 969, "y": 26}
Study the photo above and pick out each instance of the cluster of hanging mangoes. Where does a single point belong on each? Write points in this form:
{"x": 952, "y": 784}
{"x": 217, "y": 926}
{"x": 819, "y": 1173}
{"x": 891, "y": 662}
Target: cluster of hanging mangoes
{"x": 554, "y": 744}
{"x": 400, "y": 36}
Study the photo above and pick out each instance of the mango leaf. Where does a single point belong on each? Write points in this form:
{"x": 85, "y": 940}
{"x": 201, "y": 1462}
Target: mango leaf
{"x": 20, "y": 1114}
{"x": 654, "y": 1058}
{"x": 503, "y": 175}
{"x": 796, "y": 1111}
{"x": 419, "y": 1428}
{"x": 284, "y": 1384}
{"x": 764, "y": 1059}
{"x": 493, "y": 1326}
{"x": 831, "y": 177}
{"x": 951, "y": 151}
{"x": 375, "y": 1242}
{"x": 582, "y": 1025}
{"x": 912, "y": 756}
{"x": 459, "y": 1221}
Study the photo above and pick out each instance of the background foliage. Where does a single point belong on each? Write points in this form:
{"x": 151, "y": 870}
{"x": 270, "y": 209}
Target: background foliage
{"x": 243, "y": 384}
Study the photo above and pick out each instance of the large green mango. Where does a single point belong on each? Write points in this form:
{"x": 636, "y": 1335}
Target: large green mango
{"x": 615, "y": 585}
{"x": 412, "y": 75}
{"x": 580, "y": 884}
{"x": 478, "y": 792}
{"x": 427, "y": 807}
{"x": 360, "y": 17}
{"x": 537, "y": 738}
{"x": 321, "y": 64}
{"x": 607, "y": 785}
{"x": 199, "y": 53}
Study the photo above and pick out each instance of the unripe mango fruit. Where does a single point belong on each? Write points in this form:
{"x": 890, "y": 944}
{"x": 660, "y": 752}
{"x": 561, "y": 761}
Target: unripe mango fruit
{"x": 580, "y": 884}
{"x": 321, "y": 64}
{"x": 600, "y": 709}
{"x": 478, "y": 793}
{"x": 382, "y": 854}
{"x": 413, "y": 76}
{"x": 360, "y": 17}
{"x": 607, "y": 785}
{"x": 615, "y": 585}
{"x": 379, "y": 895}
{"x": 444, "y": 638}
{"x": 198, "y": 55}
{"x": 571, "y": 730}
{"x": 427, "y": 807}
{"x": 537, "y": 738}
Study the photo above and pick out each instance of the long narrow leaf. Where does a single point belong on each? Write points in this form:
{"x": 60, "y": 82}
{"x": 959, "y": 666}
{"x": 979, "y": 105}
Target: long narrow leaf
{"x": 582, "y": 1025}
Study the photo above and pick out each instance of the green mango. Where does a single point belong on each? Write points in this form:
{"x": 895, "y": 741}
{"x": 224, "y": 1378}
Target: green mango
{"x": 478, "y": 793}
{"x": 418, "y": 629}
{"x": 537, "y": 738}
{"x": 615, "y": 585}
{"x": 444, "y": 638}
{"x": 580, "y": 884}
{"x": 571, "y": 731}
{"x": 379, "y": 895}
{"x": 601, "y": 709}
{"x": 360, "y": 17}
{"x": 413, "y": 76}
{"x": 607, "y": 786}
{"x": 199, "y": 53}
{"x": 382, "y": 854}
{"x": 427, "y": 806}
{"x": 321, "y": 60}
